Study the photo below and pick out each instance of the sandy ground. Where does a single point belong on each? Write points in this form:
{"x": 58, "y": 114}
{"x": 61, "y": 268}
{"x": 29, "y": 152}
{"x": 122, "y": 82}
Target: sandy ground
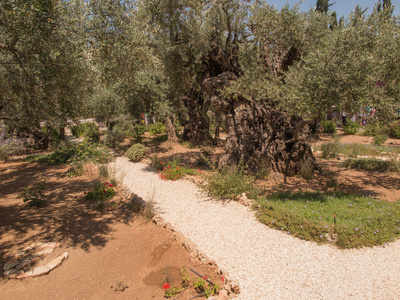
{"x": 106, "y": 250}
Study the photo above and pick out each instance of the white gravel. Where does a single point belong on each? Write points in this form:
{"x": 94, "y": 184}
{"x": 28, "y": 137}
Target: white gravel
{"x": 267, "y": 263}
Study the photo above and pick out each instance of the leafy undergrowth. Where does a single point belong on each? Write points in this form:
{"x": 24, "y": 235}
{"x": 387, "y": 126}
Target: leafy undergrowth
{"x": 74, "y": 153}
{"x": 372, "y": 164}
{"x": 353, "y": 221}
{"x": 331, "y": 150}
{"x": 174, "y": 170}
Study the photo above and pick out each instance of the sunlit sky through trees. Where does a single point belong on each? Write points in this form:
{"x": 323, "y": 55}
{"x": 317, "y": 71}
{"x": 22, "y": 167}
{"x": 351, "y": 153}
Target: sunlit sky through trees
{"x": 342, "y": 7}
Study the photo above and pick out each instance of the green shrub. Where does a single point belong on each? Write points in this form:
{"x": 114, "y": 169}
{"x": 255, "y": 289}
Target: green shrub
{"x": 329, "y": 127}
{"x": 100, "y": 195}
{"x": 394, "y": 130}
{"x": 74, "y": 153}
{"x": 114, "y": 136}
{"x": 329, "y": 150}
{"x": 371, "y": 164}
{"x": 228, "y": 183}
{"x": 380, "y": 139}
{"x": 75, "y": 169}
{"x": 88, "y": 130}
{"x": 174, "y": 170}
{"x": 138, "y": 131}
{"x": 33, "y": 196}
{"x": 136, "y": 152}
{"x": 351, "y": 127}
{"x": 157, "y": 128}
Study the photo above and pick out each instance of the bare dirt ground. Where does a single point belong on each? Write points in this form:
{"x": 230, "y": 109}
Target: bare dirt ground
{"x": 107, "y": 250}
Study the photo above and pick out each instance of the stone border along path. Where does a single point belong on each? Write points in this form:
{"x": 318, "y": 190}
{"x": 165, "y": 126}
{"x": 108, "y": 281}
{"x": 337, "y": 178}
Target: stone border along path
{"x": 13, "y": 269}
{"x": 267, "y": 263}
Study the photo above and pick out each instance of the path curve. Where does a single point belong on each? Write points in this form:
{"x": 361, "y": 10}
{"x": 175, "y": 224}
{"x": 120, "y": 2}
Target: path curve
{"x": 267, "y": 263}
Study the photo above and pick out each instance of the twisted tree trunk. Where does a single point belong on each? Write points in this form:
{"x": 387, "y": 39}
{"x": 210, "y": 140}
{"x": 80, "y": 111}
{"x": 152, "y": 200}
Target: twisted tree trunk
{"x": 258, "y": 132}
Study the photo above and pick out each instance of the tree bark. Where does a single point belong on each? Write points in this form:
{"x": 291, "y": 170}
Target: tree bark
{"x": 197, "y": 128}
{"x": 170, "y": 130}
{"x": 258, "y": 132}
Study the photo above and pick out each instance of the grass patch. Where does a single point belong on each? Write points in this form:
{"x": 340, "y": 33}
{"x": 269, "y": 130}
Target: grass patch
{"x": 372, "y": 164}
{"x": 360, "y": 221}
{"x": 353, "y": 150}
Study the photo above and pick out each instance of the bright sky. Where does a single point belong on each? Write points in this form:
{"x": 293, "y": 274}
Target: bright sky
{"x": 342, "y": 7}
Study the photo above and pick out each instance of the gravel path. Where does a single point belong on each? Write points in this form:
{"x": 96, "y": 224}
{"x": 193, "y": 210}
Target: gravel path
{"x": 267, "y": 263}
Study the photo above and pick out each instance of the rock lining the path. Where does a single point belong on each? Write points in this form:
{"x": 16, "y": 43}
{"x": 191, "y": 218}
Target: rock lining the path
{"x": 28, "y": 257}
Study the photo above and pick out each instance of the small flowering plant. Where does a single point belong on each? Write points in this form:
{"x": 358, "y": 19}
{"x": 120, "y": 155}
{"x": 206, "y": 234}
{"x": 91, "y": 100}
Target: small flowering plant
{"x": 100, "y": 195}
{"x": 174, "y": 170}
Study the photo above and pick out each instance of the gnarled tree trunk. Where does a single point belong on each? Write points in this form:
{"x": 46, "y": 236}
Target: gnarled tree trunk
{"x": 197, "y": 128}
{"x": 258, "y": 132}
{"x": 170, "y": 130}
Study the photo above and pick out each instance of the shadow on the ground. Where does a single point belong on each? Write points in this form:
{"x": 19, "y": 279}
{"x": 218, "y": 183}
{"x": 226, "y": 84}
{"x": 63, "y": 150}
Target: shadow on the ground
{"x": 66, "y": 218}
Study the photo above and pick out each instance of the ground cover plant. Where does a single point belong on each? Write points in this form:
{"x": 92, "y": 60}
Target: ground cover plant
{"x": 136, "y": 152}
{"x": 331, "y": 150}
{"x": 72, "y": 153}
{"x": 351, "y": 221}
{"x": 33, "y": 196}
{"x": 99, "y": 195}
{"x": 372, "y": 164}
{"x": 228, "y": 183}
{"x": 175, "y": 170}
{"x": 88, "y": 130}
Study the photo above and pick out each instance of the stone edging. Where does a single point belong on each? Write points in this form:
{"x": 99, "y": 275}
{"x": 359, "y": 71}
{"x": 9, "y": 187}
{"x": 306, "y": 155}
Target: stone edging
{"x": 13, "y": 267}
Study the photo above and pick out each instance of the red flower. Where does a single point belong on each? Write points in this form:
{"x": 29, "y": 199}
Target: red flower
{"x": 169, "y": 167}
{"x": 205, "y": 277}
{"x": 166, "y": 286}
{"x": 178, "y": 175}
{"x": 222, "y": 278}
{"x": 104, "y": 191}
{"x": 110, "y": 185}
{"x": 160, "y": 162}
{"x": 84, "y": 193}
{"x": 106, "y": 182}
{"x": 177, "y": 168}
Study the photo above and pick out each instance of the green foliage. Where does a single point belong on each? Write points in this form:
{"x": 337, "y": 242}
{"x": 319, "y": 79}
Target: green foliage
{"x": 329, "y": 126}
{"x": 157, "y": 128}
{"x": 138, "y": 131}
{"x": 136, "y": 152}
{"x": 351, "y": 127}
{"x": 356, "y": 221}
{"x": 88, "y": 130}
{"x": 228, "y": 183}
{"x": 202, "y": 286}
{"x": 371, "y": 164}
{"x": 174, "y": 170}
{"x": 33, "y": 196}
{"x": 74, "y": 153}
{"x": 99, "y": 196}
{"x": 75, "y": 169}
{"x": 329, "y": 150}
{"x": 395, "y": 130}
{"x": 380, "y": 139}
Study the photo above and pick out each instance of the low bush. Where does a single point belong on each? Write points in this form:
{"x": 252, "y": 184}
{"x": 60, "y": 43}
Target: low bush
{"x": 394, "y": 130}
{"x": 351, "y": 127}
{"x": 136, "y": 152}
{"x": 380, "y": 139}
{"x": 329, "y": 127}
{"x": 33, "y": 196}
{"x": 138, "y": 131}
{"x": 228, "y": 183}
{"x": 329, "y": 150}
{"x": 99, "y": 195}
{"x": 307, "y": 170}
{"x": 174, "y": 170}
{"x": 157, "y": 128}
{"x": 349, "y": 221}
{"x": 88, "y": 130}
{"x": 71, "y": 153}
{"x": 371, "y": 164}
